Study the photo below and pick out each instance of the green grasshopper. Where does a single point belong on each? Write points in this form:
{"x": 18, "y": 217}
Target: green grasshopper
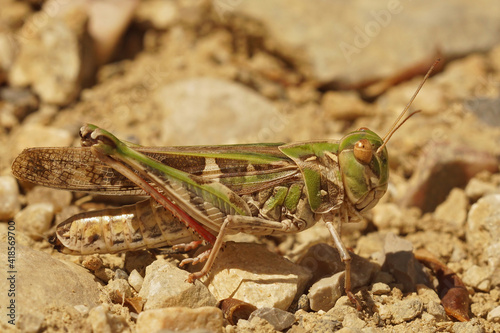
{"x": 205, "y": 192}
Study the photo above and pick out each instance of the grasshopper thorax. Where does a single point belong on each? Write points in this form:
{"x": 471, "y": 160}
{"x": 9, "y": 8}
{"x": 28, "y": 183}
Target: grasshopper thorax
{"x": 365, "y": 171}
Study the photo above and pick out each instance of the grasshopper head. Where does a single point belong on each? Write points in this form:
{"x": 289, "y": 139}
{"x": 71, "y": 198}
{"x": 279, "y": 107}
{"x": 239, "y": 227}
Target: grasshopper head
{"x": 365, "y": 172}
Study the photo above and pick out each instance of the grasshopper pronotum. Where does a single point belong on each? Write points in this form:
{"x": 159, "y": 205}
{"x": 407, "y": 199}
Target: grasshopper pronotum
{"x": 205, "y": 192}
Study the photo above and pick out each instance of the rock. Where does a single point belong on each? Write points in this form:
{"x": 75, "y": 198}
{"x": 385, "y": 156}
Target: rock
{"x": 280, "y": 319}
{"x": 35, "y": 219}
{"x": 117, "y": 290}
{"x": 441, "y": 167}
{"x": 483, "y": 233}
{"x": 352, "y": 320}
{"x": 257, "y": 324}
{"x": 343, "y": 307}
{"x": 206, "y": 319}
{"x": 102, "y": 320}
{"x": 437, "y": 311}
{"x": 57, "y": 76}
{"x": 92, "y": 263}
{"x": 28, "y": 136}
{"x": 393, "y": 216}
{"x": 9, "y": 198}
{"x": 486, "y": 109}
{"x": 472, "y": 326}
{"x": 121, "y": 274}
{"x": 58, "y": 198}
{"x": 160, "y": 14}
{"x": 494, "y": 315}
{"x": 406, "y": 310}
{"x": 401, "y": 263}
{"x": 324, "y": 293}
{"x": 251, "y": 273}
{"x": 478, "y": 277}
{"x": 344, "y": 105}
{"x": 453, "y": 211}
{"x": 30, "y": 323}
{"x": 41, "y": 280}
{"x": 323, "y": 260}
{"x": 364, "y": 32}
{"x": 135, "y": 280}
{"x": 165, "y": 285}
{"x": 477, "y": 188}
{"x": 198, "y": 108}
{"x": 108, "y": 22}
{"x": 380, "y": 288}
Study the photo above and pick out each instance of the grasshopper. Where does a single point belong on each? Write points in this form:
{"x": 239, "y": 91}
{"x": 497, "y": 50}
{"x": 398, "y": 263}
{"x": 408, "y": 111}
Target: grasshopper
{"x": 201, "y": 193}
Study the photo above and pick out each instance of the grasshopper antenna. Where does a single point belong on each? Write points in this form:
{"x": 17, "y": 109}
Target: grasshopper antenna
{"x": 395, "y": 126}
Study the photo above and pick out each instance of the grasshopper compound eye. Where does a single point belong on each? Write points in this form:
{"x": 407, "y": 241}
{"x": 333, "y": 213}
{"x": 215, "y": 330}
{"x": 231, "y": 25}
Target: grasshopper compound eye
{"x": 363, "y": 151}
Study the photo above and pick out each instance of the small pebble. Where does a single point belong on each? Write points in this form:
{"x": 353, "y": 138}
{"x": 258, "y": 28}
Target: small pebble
{"x": 437, "y": 311}
{"x": 351, "y": 320}
{"x": 380, "y": 288}
{"x": 105, "y": 274}
{"x": 35, "y": 219}
{"x": 9, "y": 198}
{"x": 58, "y": 198}
{"x": 83, "y": 309}
{"x": 278, "y": 318}
{"x": 92, "y": 263}
{"x": 478, "y": 277}
{"x": 118, "y": 290}
{"x": 324, "y": 293}
{"x": 406, "y": 310}
{"x": 121, "y": 274}
{"x": 135, "y": 280}
{"x": 477, "y": 188}
{"x": 494, "y": 315}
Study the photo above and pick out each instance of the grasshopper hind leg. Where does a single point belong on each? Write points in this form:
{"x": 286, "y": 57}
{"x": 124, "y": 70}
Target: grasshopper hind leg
{"x": 346, "y": 259}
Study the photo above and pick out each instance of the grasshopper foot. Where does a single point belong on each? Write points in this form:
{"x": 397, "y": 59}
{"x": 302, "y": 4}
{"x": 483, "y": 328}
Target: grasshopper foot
{"x": 354, "y": 300}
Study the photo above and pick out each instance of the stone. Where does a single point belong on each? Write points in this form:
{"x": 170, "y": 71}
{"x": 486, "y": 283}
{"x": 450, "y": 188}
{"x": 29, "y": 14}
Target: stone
{"x": 324, "y": 293}
{"x": 323, "y": 260}
{"x": 206, "y": 319}
{"x": 251, "y": 273}
{"x": 401, "y": 263}
{"x": 494, "y": 315}
{"x": 135, "y": 280}
{"x": 117, "y": 290}
{"x": 442, "y": 166}
{"x": 57, "y": 76}
{"x": 437, "y": 311}
{"x": 477, "y": 188}
{"x": 42, "y": 280}
{"x": 58, "y": 198}
{"x": 380, "y": 288}
{"x": 35, "y": 219}
{"x": 406, "y": 310}
{"x": 478, "y": 277}
{"x": 483, "y": 232}
{"x": 363, "y": 39}
{"x": 453, "y": 211}
{"x": 352, "y": 320}
{"x": 472, "y": 326}
{"x": 342, "y": 307}
{"x": 198, "y": 108}
{"x": 102, "y": 320}
{"x": 344, "y": 105}
{"x": 32, "y": 135}
{"x": 9, "y": 198}
{"x": 279, "y": 319}
{"x": 165, "y": 285}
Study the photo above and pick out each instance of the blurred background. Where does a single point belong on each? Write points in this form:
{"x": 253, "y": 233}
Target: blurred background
{"x": 204, "y": 72}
